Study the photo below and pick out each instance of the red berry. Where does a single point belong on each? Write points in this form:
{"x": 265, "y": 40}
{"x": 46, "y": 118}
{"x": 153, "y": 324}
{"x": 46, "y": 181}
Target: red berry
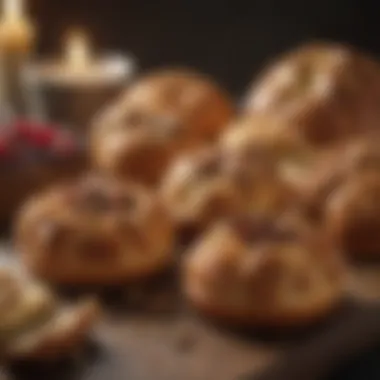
{"x": 5, "y": 146}
{"x": 34, "y": 133}
{"x": 42, "y": 136}
{"x": 22, "y": 129}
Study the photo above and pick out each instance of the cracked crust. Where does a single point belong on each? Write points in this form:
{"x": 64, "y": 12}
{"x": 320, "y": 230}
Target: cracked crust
{"x": 339, "y": 165}
{"x": 96, "y": 231}
{"x": 163, "y": 114}
{"x": 205, "y": 186}
{"x": 353, "y": 215}
{"x": 254, "y": 271}
{"x": 261, "y": 137}
{"x": 326, "y": 92}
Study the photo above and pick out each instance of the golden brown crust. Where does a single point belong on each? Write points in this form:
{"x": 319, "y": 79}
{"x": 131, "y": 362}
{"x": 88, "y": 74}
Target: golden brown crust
{"x": 337, "y": 166}
{"x": 326, "y": 92}
{"x": 261, "y": 138}
{"x": 96, "y": 231}
{"x": 208, "y": 185}
{"x": 266, "y": 272}
{"x": 248, "y": 319}
{"x": 353, "y": 215}
{"x": 161, "y": 115}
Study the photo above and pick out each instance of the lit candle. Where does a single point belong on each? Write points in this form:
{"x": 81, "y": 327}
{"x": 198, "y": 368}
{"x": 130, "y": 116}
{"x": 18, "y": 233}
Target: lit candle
{"x": 78, "y": 51}
{"x": 79, "y": 83}
{"x": 16, "y": 42}
{"x": 16, "y": 29}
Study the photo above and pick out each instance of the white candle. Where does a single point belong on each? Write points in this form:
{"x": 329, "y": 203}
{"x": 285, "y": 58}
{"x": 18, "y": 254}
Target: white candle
{"x": 16, "y": 30}
{"x": 78, "y": 55}
{"x": 16, "y": 42}
{"x": 78, "y": 83}
{"x": 78, "y": 67}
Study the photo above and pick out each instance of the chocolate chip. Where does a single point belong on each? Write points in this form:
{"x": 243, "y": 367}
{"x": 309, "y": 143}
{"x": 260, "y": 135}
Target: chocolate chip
{"x": 94, "y": 250}
{"x": 95, "y": 200}
{"x": 134, "y": 118}
{"x": 125, "y": 203}
{"x": 211, "y": 165}
{"x": 255, "y": 229}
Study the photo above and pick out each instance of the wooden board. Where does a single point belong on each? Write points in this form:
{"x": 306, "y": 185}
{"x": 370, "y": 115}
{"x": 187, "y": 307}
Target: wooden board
{"x": 147, "y": 334}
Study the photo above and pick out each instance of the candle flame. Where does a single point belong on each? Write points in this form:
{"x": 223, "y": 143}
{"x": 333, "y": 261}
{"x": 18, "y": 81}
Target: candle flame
{"x": 77, "y": 50}
{"x": 13, "y": 9}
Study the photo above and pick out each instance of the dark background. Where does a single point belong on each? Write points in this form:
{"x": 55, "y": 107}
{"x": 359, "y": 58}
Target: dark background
{"x": 229, "y": 39}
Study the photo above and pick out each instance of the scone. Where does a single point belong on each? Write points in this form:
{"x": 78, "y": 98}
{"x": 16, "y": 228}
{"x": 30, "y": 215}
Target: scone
{"x": 339, "y": 165}
{"x": 34, "y": 325}
{"x": 208, "y": 185}
{"x": 95, "y": 231}
{"x": 247, "y": 137}
{"x": 163, "y": 114}
{"x": 260, "y": 272}
{"x": 327, "y": 92}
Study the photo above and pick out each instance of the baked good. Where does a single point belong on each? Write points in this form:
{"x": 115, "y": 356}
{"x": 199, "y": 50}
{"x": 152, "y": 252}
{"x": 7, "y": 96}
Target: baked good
{"x": 292, "y": 159}
{"x": 208, "y": 185}
{"x": 34, "y": 325}
{"x": 339, "y": 165}
{"x": 163, "y": 114}
{"x": 94, "y": 231}
{"x": 264, "y": 272}
{"x": 33, "y": 156}
{"x": 352, "y": 215}
{"x": 326, "y": 91}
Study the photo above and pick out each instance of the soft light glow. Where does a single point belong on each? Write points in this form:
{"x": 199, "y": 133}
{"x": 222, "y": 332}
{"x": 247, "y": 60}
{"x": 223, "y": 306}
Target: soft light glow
{"x": 77, "y": 50}
{"x": 13, "y": 9}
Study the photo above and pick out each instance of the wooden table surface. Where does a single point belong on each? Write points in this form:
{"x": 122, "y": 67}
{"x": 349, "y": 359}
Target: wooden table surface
{"x": 164, "y": 341}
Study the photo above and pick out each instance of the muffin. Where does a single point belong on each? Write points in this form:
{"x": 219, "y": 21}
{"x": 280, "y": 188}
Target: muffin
{"x": 208, "y": 185}
{"x": 94, "y": 231}
{"x": 163, "y": 114}
{"x": 264, "y": 272}
{"x": 327, "y": 92}
{"x": 34, "y": 325}
{"x": 293, "y": 160}
{"x": 338, "y": 166}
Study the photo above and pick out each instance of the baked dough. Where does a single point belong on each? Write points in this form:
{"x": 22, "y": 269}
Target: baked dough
{"x": 263, "y": 272}
{"x": 96, "y": 231}
{"x": 34, "y": 325}
{"x": 326, "y": 92}
{"x": 161, "y": 115}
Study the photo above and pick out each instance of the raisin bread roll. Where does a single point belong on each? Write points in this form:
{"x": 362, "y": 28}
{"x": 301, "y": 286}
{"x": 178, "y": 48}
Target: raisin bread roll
{"x": 208, "y": 185}
{"x": 95, "y": 231}
{"x": 163, "y": 114}
{"x": 327, "y": 92}
{"x": 264, "y": 272}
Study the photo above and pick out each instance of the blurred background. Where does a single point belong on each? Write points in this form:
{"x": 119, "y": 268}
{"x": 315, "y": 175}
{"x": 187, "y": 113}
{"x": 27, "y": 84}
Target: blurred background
{"x": 228, "y": 39}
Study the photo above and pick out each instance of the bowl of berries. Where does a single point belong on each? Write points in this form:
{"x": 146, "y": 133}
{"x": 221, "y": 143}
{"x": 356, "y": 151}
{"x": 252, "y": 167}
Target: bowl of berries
{"x": 32, "y": 156}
